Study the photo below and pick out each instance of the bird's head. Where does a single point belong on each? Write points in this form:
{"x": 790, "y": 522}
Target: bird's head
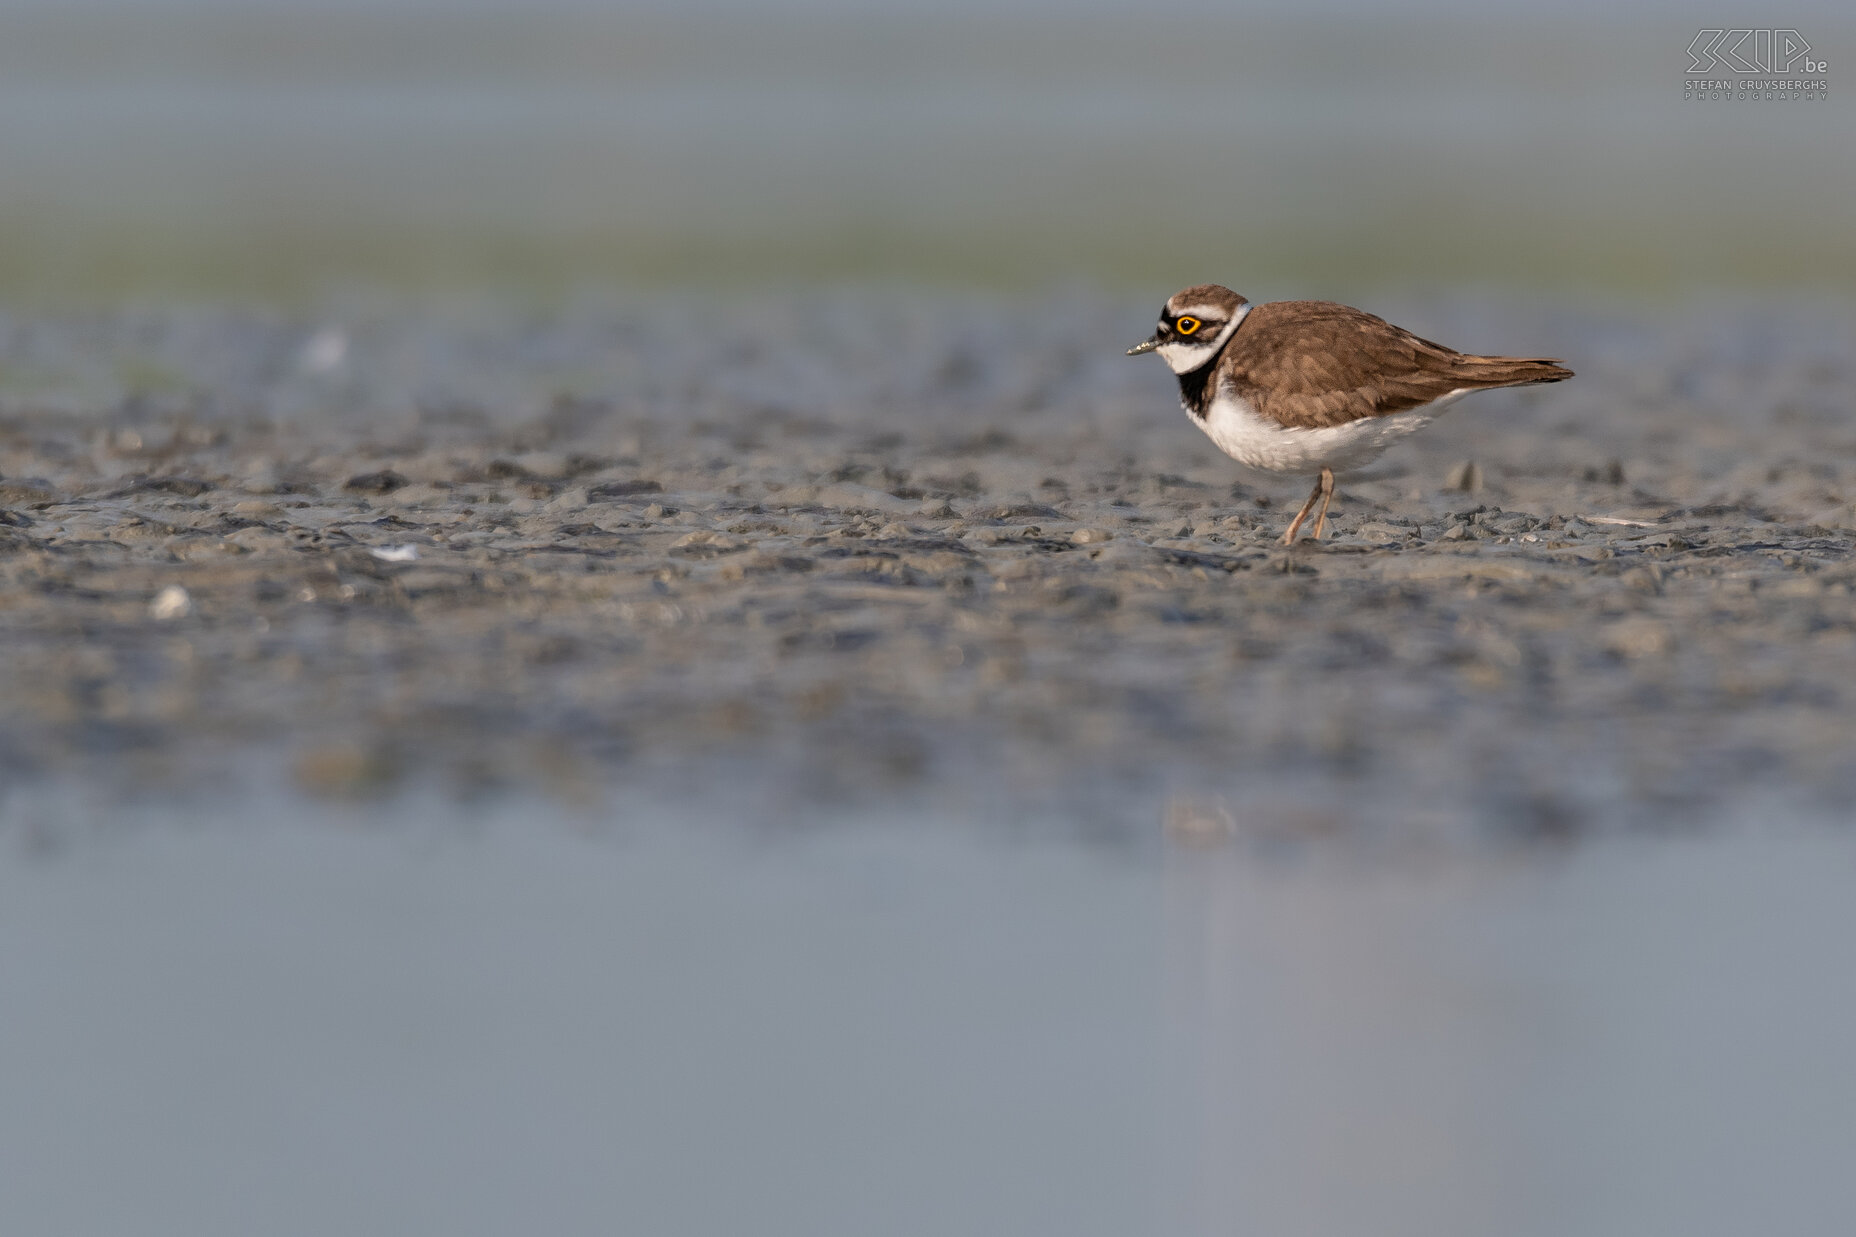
{"x": 1194, "y": 325}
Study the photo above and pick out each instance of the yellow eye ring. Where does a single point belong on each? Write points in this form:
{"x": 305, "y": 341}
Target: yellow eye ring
{"x": 1186, "y": 326}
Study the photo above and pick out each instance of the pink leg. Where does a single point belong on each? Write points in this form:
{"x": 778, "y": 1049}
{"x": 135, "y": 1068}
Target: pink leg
{"x": 1295, "y": 525}
{"x": 1326, "y": 488}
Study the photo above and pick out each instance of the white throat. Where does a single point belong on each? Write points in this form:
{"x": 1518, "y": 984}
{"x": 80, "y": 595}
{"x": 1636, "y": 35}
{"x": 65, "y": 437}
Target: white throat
{"x": 1183, "y": 358}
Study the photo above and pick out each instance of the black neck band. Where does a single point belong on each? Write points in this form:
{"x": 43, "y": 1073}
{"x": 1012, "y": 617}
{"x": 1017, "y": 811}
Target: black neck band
{"x": 1195, "y": 387}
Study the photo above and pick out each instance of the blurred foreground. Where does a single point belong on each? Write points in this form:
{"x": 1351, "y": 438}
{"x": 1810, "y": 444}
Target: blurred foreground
{"x": 466, "y": 1022}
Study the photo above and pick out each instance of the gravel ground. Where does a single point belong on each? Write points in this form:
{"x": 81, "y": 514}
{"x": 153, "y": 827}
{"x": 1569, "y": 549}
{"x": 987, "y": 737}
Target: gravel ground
{"x": 862, "y": 547}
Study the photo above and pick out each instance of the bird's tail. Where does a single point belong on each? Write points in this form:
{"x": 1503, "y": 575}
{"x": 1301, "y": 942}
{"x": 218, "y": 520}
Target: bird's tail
{"x": 1511, "y": 371}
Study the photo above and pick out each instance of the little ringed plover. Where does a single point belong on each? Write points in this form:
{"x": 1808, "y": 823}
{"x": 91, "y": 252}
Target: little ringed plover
{"x": 1308, "y": 387}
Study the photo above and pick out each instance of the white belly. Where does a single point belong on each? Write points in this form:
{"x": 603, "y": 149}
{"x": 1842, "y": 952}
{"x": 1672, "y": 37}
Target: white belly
{"x": 1249, "y": 439}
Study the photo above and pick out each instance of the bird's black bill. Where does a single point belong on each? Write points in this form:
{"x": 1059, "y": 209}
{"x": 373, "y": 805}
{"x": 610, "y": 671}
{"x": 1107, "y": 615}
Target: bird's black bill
{"x": 1146, "y": 345}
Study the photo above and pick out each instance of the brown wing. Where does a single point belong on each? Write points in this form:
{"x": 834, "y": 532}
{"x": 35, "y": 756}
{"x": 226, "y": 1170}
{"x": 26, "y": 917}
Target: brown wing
{"x": 1309, "y": 364}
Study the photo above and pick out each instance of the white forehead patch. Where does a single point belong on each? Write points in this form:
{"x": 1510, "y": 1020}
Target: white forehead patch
{"x": 1199, "y": 311}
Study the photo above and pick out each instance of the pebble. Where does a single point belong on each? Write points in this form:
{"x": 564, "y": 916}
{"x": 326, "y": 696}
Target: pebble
{"x": 172, "y": 602}
{"x": 1465, "y": 478}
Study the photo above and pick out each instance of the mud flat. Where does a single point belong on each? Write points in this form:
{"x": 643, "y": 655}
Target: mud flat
{"x": 852, "y": 549}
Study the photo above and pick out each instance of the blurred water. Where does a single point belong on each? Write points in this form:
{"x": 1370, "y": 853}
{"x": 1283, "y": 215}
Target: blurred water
{"x": 419, "y": 1024}
{"x": 280, "y": 148}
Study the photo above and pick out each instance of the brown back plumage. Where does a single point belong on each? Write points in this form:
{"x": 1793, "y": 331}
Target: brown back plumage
{"x": 1310, "y": 364}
